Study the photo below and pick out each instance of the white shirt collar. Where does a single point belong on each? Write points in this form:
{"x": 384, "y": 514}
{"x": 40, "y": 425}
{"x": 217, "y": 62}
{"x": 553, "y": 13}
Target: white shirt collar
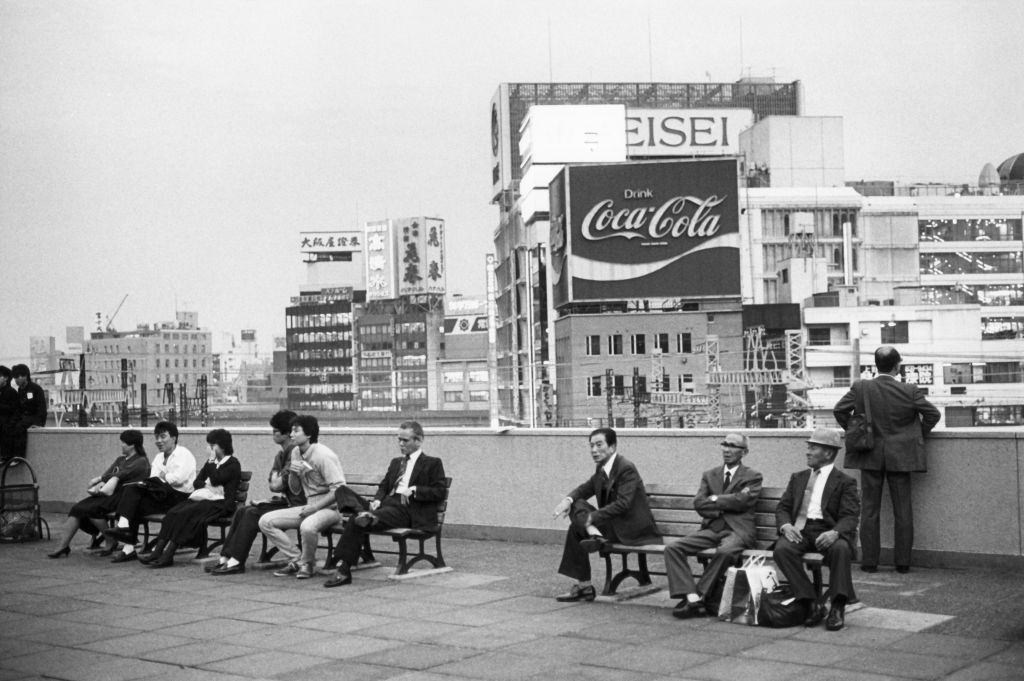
{"x": 825, "y": 470}
{"x": 608, "y": 465}
{"x": 222, "y": 461}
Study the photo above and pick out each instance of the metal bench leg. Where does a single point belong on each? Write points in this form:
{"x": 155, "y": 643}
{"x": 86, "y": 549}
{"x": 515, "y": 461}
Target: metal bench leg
{"x": 403, "y": 567}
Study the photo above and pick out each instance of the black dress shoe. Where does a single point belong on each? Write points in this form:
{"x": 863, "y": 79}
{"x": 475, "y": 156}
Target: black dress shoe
{"x": 365, "y": 519}
{"x": 107, "y": 552}
{"x": 212, "y": 565}
{"x": 121, "y": 534}
{"x": 339, "y": 578}
{"x": 903, "y": 569}
{"x": 815, "y": 614}
{"x": 162, "y": 563}
{"x": 869, "y": 568}
{"x": 592, "y": 544}
{"x": 836, "y": 618}
{"x": 60, "y": 553}
{"x": 225, "y": 570}
{"x": 123, "y": 557}
{"x": 685, "y": 610}
{"x": 587, "y": 593}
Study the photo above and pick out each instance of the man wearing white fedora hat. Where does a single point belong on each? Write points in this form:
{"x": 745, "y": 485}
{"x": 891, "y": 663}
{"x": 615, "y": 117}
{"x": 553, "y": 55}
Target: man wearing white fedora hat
{"x": 819, "y": 512}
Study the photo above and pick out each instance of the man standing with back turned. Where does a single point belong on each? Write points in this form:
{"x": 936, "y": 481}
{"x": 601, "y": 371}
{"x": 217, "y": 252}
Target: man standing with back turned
{"x": 900, "y": 417}
{"x": 623, "y": 514}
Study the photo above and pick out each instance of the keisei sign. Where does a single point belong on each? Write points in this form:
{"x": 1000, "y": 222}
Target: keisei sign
{"x": 645, "y": 230}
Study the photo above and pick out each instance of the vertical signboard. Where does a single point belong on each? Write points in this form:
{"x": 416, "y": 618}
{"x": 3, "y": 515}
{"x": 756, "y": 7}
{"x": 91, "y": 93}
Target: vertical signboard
{"x": 646, "y": 230}
{"x": 501, "y": 142}
{"x": 411, "y": 238}
{"x": 380, "y": 260}
{"x": 434, "y": 252}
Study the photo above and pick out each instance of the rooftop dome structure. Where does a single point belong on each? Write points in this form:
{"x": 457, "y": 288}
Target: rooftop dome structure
{"x": 1012, "y": 169}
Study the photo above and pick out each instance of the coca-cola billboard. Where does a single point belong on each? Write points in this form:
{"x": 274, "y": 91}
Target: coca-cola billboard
{"x": 645, "y": 230}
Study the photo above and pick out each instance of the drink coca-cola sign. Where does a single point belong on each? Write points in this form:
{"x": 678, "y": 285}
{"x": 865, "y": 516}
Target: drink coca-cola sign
{"x": 645, "y": 230}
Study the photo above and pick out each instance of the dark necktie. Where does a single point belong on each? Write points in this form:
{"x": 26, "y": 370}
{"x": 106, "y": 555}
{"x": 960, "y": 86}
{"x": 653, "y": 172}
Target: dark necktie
{"x": 401, "y": 474}
{"x": 728, "y": 479}
{"x": 801, "y": 518}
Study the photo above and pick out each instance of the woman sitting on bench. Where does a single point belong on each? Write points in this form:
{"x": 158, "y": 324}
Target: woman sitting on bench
{"x": 216, "y": 491}
{"x": 104, "y": 492}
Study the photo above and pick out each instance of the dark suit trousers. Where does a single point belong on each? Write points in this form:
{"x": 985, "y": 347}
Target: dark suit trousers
{"x": 788, "y": 556}
{"x": 677, "y": 566}
{"x": 245, "y": 527}
{"x": 575, "y": 560}
{"x": 902, "y": 510}
{"x": 391, "y": 513}
{"x": 137, "y": 502}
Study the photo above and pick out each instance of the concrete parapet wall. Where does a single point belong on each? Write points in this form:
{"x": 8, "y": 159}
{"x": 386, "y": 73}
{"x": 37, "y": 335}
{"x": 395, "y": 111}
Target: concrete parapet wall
{"x": 969, "y": 506}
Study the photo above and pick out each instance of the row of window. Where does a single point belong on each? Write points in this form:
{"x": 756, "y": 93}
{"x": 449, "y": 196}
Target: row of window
{"x": 964, "y": 262}
{"x": 963, "y": 373}
{"x": 320, "y": 337}
{"x": 458, "y": 396}
{"x": 982, "y": 294}
{"x": 459, "y": 376}
{"x": 638, "y": 343}
{"x": 321, "y": 405}
{"x": 320, "y": 353}
{"x": 970, "y": 229}
{"x": 596, "y": 385}
{"x": 115, "y": 349}
{"x": 310, "y": 321}
{"x": 826, "y": 222}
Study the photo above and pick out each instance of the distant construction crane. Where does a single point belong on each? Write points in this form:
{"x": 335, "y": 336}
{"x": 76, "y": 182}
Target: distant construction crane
{"x": 109, "y": 326}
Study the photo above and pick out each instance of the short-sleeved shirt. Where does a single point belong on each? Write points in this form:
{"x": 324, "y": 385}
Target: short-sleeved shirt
{"x": 324, "y": 473}
{"x": 127, "y": 469}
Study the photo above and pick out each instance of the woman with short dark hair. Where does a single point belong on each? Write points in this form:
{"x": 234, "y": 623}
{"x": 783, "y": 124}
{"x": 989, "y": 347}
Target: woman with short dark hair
{"x": 216, "y": 491}
{"x": 105, "y": 490}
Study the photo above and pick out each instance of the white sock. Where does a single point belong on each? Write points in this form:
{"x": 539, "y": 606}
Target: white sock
{"x": 231, "y": 562}
{"x": 692, "y": 598}
{"x": 128, "y": 549}
{"x": 122, "y": 523}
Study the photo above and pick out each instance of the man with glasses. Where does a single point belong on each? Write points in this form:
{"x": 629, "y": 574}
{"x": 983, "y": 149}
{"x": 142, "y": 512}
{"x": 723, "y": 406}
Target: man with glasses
{"x": 725, "y": 502}
{"x": 408, "y": 496}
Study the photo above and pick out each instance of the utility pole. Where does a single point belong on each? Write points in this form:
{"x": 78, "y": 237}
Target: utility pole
{"x": 636, "y": 397}
{"x": 608, "y": 396}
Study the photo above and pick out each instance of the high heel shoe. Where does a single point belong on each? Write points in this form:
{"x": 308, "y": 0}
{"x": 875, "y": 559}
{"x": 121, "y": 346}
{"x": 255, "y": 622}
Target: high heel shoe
{"x": 60, "y": 552}
{"x": 109, "y": 551}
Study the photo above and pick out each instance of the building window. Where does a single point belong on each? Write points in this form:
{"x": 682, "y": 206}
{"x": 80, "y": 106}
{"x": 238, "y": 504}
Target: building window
{"x": 452, "y": 376}
{"x": 1008, "y": 415}
{"x": 684, "y": 343}
{"x": 1002, "y": 372}
{"x": 615, "y": 344}
{"x": 918, "y": 374}
{"x": 897, "y": 333}
{"x": 686, "y": 384}
{"x": 594, "y": 386}
{"x": 479, "y": 376}
{"x": 841, "y": 377}
{"x": 661, "y": 342}
{"x": 619, "y": 385}
{"x": 479, "y": 396}
{"x": 638, "y": 344}
{"x": 819, "y": 335}
{"x": 453, "y": 396}
{"x": 593, "y": 345}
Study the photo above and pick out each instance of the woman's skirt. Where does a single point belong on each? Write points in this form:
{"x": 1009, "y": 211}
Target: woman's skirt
{"x": 185, "y": 523}
{"x": 94, "y": 507}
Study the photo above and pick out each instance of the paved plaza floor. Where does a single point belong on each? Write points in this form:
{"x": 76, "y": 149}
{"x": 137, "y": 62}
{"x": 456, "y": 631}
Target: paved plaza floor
{"x": 491, "y": 617}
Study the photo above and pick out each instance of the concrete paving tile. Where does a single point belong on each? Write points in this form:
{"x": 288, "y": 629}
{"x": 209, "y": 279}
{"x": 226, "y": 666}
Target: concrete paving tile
{"x": 488, "y": 638}
{"x": 950, "y": 646}
{"x": 196, "y": 653}
{"x": 615, "y": 632}
{"x": 532, "y": 604}
{"x": 904, "y": 665}
{"x": 13, "y": 647}
{"x": 803, "y": 652}
{"x": 417, "y": 675}
{"x": 346, "y": 622}
{"x": 390, "y": 607}
{"x": 269, "y": 637}
{"x": 648, "y": 659}
{"x": 1013, "y": 654}
{"x": 147, "y": 620}
{"x": 212, "y": 627}
{"x": 55, "y": 661}
{"x": 192, "y": 674}
{"x": 347, "y": 670}
{"x": 499, "y": 666}
{"x": 986, "y": 671}
{"x": 410, "y": 591}
{"x": 413, "y": 630}
{"x": 343, "y": 647}
{"x": 544, "y": 624}
{"x": 732, "y": 668}
{"x": 269, "y": 664}
{"x": 103, "y": 614}
{"x": 865, "y": 637}
{"x": 136, "y": 644}
{"x": 40, "y": 606}
{"x": 224, "y": 607}
{"x": 418, "y": 656}
{"x": 564, "y": 648}
{"x": 279, "y": 613}
{"x": 461, "y": 580}
{"x": 76, "y": 633}
{"x": 467, "y": 597}
{"x": 583, "y": 672}
{"x": 14, "y": 675}
{"x": 478, "y": 616}
{"x": 716, "y": 641}
{"x": 886, "y": 618}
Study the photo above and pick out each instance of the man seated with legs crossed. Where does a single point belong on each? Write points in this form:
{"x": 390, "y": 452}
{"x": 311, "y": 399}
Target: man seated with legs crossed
{"x": 408, "y": 496}
{"x": 623, "y": 514}
{"x": 172, "y": 473}
{"x": 819, "y": 512}
{"x": 726, "y": 501}
{"x": 315, "y": 471}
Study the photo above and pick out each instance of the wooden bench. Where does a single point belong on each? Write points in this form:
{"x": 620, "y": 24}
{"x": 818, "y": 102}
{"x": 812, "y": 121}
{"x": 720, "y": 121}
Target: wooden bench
{"x": 222, "y": 523}
{"x": 675, "y": 517}
{"x": 366, "y": 487}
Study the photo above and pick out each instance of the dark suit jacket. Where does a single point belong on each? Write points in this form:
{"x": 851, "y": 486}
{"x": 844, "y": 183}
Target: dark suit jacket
{"x": 900, "y": 417}
{"x": 622, "y": 502}
{"x": 428, "y": 479}
{"x": 733, "y": 505}
{"x": 840, "y": 503}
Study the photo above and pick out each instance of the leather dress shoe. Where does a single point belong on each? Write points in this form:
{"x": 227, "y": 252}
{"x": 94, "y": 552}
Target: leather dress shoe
{"x": 107, "y": 552}
{"x": 576, "y": 593}
{"x": 148, "y": 558}
{"x": 836, "y": 618}
{"x": 212, "y": 565}
{"x": 685, "y": 609}
{"x": 903, "y": 569}
{"x": 225, "y": 570}
{"x": 869, "y": 568}
{"x": 123, "y": 557}
{"x": 815, "y": 614}
{"x": 121, "y": 534}
{"x": 593, "y": 543}
{"x": 339, "y": 578}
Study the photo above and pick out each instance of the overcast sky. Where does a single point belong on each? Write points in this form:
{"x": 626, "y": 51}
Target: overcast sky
{"x": 172, "y": 151}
